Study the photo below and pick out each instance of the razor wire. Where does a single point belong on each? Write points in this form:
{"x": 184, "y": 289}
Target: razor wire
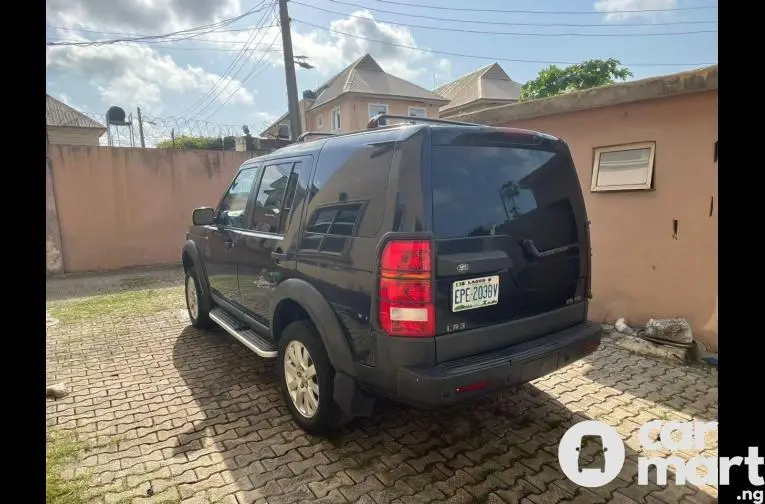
{"x": 165, "y": 132}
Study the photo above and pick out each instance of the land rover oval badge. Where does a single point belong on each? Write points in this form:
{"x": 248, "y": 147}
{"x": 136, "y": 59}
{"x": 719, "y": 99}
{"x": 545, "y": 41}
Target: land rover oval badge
{"x": 463, "y": 268}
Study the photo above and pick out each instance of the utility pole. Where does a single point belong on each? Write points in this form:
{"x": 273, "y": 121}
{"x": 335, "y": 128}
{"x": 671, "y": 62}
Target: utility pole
{"x": 172, "y": 135}
{"x": 289, "y": 69}
{"x": 140, "y": 128}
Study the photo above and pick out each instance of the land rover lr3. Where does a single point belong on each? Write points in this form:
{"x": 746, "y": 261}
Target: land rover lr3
{"x": 430, "y": 263}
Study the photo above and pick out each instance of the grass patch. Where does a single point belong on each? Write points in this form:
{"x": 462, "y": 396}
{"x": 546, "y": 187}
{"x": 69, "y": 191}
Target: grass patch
{"x": 60, "y": 451}
{"x": 134, "y": 302}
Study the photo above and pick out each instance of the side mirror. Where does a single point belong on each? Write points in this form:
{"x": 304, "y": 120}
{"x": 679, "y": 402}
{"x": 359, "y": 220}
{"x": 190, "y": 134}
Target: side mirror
{"x": 203, "y": 216}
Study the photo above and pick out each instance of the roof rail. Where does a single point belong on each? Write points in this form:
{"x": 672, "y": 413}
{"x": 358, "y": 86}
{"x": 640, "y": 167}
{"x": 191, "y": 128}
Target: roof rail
{"x": 375, "y": 121}
{"x": 306, "y": 134}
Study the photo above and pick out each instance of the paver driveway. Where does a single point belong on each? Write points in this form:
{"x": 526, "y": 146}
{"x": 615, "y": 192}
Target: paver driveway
{"x": 191, "y": 416}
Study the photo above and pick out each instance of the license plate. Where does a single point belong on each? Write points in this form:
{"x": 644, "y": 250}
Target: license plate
{"x": 475, "y": 293}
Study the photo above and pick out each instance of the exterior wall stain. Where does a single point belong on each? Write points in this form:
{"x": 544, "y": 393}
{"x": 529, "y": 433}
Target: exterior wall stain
{"x": 53, "y": 259}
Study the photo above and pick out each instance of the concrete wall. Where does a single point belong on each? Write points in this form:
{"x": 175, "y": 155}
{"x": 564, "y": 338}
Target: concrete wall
{"x": 639, "y": 269}
{"x": 119, "y": 207}
{"x": 54, "y": 263}
{"x": 74, "y": 136}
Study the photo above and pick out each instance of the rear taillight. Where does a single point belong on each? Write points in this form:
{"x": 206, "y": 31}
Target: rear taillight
{"x": 405, "y": 291}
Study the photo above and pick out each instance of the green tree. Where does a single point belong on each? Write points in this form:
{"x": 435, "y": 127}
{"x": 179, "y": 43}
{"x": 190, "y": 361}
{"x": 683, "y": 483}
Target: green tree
{"x": 187, "y": 142}
{"x": 553, "y": 81}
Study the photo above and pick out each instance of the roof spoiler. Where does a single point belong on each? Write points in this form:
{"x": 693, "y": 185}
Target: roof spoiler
{"x": 375, "y": 121}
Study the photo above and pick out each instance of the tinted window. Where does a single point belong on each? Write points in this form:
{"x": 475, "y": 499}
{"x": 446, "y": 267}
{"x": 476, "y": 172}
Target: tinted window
{"x": 270, "y": 198}
{"x": 231, "y": 212}
{"x": 329, "y": 228}
{"x": 296, "y": 192}
{"x": 350, "y": 171}
{"x": 478, "y": 189}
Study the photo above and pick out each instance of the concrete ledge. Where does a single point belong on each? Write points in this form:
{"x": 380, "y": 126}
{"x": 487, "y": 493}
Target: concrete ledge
{"x": 640, "y": 346}
{"x": 704, "y": 79}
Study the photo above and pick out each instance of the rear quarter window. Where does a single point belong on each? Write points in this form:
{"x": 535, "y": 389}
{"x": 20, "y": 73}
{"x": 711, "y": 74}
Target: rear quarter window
{"x": 352, "y": 171}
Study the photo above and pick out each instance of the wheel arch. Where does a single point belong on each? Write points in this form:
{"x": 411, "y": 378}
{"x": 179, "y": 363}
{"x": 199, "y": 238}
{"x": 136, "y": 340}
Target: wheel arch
{"x": 296, "y": 299}
{"x": 192, "y": 258}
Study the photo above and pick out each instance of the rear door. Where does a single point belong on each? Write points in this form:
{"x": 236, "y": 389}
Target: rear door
{"x": 510, "y": 237}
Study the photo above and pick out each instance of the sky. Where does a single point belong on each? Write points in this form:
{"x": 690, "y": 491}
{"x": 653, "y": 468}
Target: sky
{"x": 213, "y": 80}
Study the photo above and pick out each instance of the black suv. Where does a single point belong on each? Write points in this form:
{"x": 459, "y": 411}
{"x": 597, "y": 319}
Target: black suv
{"x": 428, "y": 262}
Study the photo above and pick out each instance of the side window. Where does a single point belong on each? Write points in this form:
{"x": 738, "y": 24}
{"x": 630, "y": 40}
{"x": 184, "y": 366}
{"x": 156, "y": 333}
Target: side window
{"x": 295, "y": 195}
{"x": 376, "y": 109}
{"x": 268, "y": 206}
{"x": 231, "y": 212}
{"x": 348, "y": 172}
{"x": 329, "y": 228}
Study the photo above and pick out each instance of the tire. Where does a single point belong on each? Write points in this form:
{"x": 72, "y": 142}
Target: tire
{"x": 323, "y": 416}
{"x": 199, "y": 315}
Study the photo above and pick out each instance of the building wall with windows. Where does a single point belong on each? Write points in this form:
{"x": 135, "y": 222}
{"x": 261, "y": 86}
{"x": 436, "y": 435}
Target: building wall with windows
{"x": 648, "y": 172}
{"x": 354, "y": 112}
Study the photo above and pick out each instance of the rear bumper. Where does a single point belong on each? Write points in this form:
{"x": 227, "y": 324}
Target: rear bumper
{"x": 445, "y": 383}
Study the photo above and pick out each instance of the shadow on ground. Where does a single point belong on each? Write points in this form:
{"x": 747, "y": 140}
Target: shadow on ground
{"x": 94, "y": 284}
{"x": 501, "y": 448}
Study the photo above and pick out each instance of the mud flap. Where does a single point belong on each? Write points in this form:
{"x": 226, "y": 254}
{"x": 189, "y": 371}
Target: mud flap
{"x": 350, "y": 398}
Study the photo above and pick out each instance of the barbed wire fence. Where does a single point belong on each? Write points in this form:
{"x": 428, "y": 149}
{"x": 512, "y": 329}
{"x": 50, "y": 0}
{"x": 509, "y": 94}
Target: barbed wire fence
{"x": 177, "y": 132}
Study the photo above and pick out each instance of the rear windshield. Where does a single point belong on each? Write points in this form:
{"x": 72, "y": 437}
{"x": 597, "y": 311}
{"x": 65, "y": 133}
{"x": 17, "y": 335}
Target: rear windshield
{"x": 476, "y": 190}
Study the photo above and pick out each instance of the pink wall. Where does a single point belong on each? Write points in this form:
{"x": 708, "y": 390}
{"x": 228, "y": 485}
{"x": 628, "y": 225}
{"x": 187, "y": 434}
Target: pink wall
{"x": 639, "y": 270}
{"x": 122, "y": 207}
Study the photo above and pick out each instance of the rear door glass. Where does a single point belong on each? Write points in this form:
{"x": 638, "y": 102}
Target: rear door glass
{"x": 478, "y": 189}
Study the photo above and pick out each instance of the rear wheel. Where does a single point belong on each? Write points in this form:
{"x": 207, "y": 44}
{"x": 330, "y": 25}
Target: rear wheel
{"x": 307, "y": 379}
{"x": 197, "y": 304}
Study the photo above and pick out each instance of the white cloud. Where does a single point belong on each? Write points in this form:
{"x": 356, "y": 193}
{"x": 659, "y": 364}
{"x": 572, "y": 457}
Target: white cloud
{"x": 130, "y": 75}
{"x": 330, "y": 52}
{"x": 155, "y": 16}
{"x": 133, "y": 75}
{"x": 611, "y": 8}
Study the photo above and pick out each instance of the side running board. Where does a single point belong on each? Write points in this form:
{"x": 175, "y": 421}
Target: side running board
{"x": 244, "y": 334}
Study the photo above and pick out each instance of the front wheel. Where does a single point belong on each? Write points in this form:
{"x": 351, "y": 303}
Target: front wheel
{"x": 197, "y": 304}
{"x": 307, "y": 379}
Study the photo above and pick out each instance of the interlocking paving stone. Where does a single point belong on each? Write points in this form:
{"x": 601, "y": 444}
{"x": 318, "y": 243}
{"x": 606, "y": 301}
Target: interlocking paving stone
{"x": 199, "y": 418}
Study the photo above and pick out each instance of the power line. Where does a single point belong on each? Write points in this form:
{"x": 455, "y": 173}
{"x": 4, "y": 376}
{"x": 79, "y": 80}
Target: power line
{"x": 474, "y": 56}
{"x": 83, "y": 30}
{"x": 177, "y": 48}
{"x": 515, "y": 34}
{"x": 194, "y": 31}
{"x": 200, "y": 104}
{"x": 502, "y": 23}
{"x": 248, "y": 77}
{"x": 473, "y": 9}
{"x": 224, "y": 89}
{"x": 158, "y": 41}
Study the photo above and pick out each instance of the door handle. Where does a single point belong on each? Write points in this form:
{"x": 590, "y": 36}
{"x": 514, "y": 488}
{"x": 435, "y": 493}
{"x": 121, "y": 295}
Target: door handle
{"x": 280, "y": 256}
{"x": 532, "y": 249}
{"x": 229, "y": 243}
